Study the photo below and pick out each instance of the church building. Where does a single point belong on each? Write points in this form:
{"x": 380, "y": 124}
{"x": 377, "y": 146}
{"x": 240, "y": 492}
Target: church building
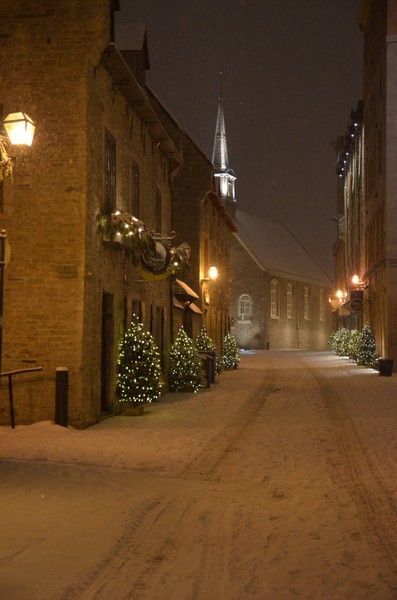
{"x": 279, "y": 291}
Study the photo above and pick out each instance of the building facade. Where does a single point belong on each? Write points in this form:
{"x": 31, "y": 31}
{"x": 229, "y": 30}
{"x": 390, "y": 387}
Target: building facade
{"x": 370, "y": 247}
{"x": 101, "y": 156}
{"x": 200, "y": 216}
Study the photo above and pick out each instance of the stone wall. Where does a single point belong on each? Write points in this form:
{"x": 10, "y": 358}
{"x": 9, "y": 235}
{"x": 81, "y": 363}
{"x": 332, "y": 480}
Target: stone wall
{"x": 44, "y": 56}
{"x": 282, "y": 329}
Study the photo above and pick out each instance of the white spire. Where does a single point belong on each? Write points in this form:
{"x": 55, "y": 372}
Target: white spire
{"x": 220, "y": 158}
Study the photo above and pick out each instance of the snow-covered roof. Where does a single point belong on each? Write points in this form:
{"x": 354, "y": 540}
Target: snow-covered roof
{"x": 277, "y": 249}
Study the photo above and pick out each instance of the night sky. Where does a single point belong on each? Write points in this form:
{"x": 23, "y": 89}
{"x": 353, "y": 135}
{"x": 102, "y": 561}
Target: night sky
{"x": 292, "y": 71}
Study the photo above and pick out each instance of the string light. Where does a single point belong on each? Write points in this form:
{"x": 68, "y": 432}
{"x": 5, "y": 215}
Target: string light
{"x": 138, "y": 366}
{"x": 185, "y": 372}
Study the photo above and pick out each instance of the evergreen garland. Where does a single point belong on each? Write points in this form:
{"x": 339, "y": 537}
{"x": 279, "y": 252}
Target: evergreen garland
{"x": 366, "y": 349}
{"x": 184, "y": 371}
{"x": 138, "y": 366}
{"x": 231, "y": 354}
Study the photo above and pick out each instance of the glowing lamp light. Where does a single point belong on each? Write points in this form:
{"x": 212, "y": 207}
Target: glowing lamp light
{"x": 19, "y": 128}
{"x": 213, "y": 273}
{"x": 339, "y": 294}
{"x": 355, "y": 280}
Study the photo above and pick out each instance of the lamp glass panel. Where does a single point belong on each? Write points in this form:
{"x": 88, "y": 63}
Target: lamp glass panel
{"x": 20, "y": 128}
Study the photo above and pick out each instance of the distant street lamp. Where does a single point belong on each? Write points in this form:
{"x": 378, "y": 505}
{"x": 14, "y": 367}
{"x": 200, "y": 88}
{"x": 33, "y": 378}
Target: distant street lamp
{"x": 20, "y": 129}
{"x": 212, "y": 274}
{"x": 355, "y": 280}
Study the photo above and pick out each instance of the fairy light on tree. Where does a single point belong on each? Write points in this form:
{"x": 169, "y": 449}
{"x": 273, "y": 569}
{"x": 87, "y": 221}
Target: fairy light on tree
{"x": 366, "y": 349}
{"x": 184, "y": 372}
{"x": 231, "y": 354}
{"x": 203, "y": 341}
{"x": 138, "y": 366}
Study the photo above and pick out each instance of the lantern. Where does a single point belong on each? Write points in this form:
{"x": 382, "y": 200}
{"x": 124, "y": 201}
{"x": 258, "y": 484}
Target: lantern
{"x": 19, "y": 128}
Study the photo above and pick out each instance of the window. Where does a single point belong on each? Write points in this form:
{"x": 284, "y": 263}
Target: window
{"x": 274, "y": 300}
{"x": 158, "y": 211}
{"x": 289, "y": 301}
{"x": 321, "y": 301}
{"x": 245, "y": 308}
{"x": 306, "y": 313}
{"x": 135, "y": 190}
{"x": 110, "y": 173}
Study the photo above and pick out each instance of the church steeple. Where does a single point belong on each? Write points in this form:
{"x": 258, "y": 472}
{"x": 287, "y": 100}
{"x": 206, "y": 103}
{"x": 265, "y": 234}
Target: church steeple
{"x": 224, "y": 175}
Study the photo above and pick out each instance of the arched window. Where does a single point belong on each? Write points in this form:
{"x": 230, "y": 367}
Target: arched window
{"x": 245, "y": 308}
{"x": 321, "y": 302}
{"x": 274, "y": 300}
{"x": 289, "y": 301}
{"x": 306, "y": 311}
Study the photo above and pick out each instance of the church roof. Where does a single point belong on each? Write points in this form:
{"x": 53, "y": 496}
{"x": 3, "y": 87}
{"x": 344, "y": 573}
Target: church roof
{"x": 277, "y": 249}
{"x": 220, "y": 158}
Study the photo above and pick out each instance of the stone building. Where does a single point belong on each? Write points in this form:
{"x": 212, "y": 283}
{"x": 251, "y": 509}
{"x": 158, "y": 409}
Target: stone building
{"x": 101, "y": 154}
{"x": 373, "y": 242}
{"x": 278, "y": 291}
{"x": 200, "y": 217}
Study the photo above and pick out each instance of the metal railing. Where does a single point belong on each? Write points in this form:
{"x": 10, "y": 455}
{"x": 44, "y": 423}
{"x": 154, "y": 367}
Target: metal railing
{"x": 10, "y": 375}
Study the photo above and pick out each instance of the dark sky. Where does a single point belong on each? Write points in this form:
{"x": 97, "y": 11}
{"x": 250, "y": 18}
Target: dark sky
{"x": 292, "y": 71}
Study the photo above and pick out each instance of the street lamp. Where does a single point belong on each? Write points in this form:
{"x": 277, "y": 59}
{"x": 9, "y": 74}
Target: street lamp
{"x": 20, "y": 129}
{"x": 355, "y": 280}
{"x": 212, "y": 274}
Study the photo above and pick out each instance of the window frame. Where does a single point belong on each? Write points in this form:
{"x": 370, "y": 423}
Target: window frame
{"x": 274, "y": 299}
{"x": 290, "y": 301}
{"x": 246, "y": 315}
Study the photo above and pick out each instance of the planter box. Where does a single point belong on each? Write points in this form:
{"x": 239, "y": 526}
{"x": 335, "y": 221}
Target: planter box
{"x": 129, "y": 410}
{"x": 385, "y": 367}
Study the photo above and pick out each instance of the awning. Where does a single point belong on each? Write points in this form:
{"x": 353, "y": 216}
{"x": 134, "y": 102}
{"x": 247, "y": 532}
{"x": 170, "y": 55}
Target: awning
{"x": 195, "y": 308}
{"x": 182, "y": 289}
{"x": 178, "y": 304}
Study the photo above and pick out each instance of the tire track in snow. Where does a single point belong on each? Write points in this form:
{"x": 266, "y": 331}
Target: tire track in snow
{"x": 132, "y": 568}
{"x": 359, "y": 473}
{"x": 204, "y": 464}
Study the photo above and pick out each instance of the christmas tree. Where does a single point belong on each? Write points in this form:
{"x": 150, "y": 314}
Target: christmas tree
{"x": 203, "y": 341}
{"x": 138, "y": 366}
{"x": 354, "y": 343}
{"x": 342, "y": 337}
{"x": 231, "y": 354}
{"x": 184, "y": 371}
{"x": 366, "y": 349}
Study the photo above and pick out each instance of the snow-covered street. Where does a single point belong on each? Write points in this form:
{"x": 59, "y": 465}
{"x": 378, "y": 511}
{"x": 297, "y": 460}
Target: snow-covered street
{"x": 279, "y": 482}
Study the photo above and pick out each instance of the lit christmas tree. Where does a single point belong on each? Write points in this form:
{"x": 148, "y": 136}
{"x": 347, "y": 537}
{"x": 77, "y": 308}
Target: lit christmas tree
{"x": 231, "y": 354}
{"x": 354, "y": 343}
{"x": 203, "y": 341}
{"x": 138, "y": 366}
{"x": 184, "y": 371}
{"x": 366, "y": 350}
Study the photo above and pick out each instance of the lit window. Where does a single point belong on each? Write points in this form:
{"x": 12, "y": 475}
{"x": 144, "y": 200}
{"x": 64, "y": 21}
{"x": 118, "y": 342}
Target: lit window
{"x": 306, "y": 312}
{"x": 245, "y": 308}
{"x": 321, "y": 301}
{"x": 274, "y": 300}
{"x": 289, "y": 301}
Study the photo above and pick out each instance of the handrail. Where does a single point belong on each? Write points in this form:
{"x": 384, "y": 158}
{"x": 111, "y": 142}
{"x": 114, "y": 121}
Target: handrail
{"x": 18, "y": 371}
{"x": 9, "y": 374}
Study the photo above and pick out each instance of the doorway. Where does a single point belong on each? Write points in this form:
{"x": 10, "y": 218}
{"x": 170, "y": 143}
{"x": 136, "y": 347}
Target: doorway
{"x": 107, "y": 351}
